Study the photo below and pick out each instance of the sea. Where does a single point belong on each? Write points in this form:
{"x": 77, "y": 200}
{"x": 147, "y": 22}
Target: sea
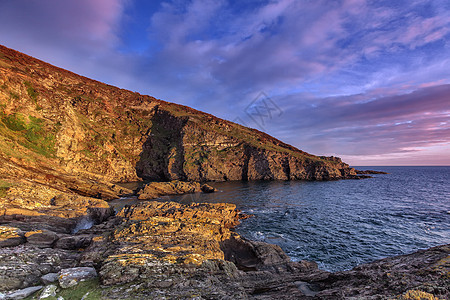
{"x": 341, "y": 224}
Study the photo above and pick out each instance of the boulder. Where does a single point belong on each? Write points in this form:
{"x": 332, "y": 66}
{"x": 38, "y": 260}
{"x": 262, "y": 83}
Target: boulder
{"x": 71, "y": 277}
{"x": 49, "y": 278}
{"x": 23, "y": 293}
{"x": 208, "y": 189}
{"x": 41, "y": 238}
{"x": 11, "y": 236}
{"x": 74, "y": 242}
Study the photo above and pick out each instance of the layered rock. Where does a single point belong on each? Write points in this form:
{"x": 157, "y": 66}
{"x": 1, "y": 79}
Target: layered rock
{"x": 171, "y": 232}
{"x": 425, "y": 273}
{"x": 157, "y": 189}
{"x": 180, "y": 251}
{"x": 11, "y": 236}
{"x": 174, "y": 251}
{"x": 370, "y": 172}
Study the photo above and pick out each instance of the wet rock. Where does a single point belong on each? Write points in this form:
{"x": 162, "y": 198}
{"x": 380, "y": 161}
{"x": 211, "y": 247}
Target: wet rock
{"x": 157, "y": 189}
{"x": 208, "y": 189}
{"x": 260, "y": 256}
{"x": 11, "y": 236}
{"x": 71, "y": 277}
{"x": 49, "y": 278}
{"x": 41, "y": 238}
{"x": 99, "y": 214}
{"x": 23, "y": 293}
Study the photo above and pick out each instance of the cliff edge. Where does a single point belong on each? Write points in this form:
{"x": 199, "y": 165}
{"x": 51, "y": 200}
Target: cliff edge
{"x": 59, "y": 123}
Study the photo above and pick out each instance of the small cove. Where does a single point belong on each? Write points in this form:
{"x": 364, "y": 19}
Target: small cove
{"x": 341, "y": 224}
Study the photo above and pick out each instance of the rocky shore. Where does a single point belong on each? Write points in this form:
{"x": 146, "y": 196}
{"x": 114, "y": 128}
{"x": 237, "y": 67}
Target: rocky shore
{"x": 167, "y": 250}
{"x": 370, "y": 172}
{"x": 66, "y": 140}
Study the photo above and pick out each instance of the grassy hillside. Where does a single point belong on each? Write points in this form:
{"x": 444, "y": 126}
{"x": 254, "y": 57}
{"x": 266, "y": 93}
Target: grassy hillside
{"x": 71, "y": 124}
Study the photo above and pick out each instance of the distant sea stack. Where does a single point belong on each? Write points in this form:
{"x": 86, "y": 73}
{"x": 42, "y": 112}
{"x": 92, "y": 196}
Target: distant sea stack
{"x": 55, "y": 124}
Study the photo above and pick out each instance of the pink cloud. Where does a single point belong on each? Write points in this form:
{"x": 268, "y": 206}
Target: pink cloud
{"x": 81, "y": 22}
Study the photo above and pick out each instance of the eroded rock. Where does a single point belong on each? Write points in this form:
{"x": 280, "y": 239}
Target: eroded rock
{"x": 23, "y": 293}
{"x": 11, "y": 236}
{"x": 157, "y": 189}
{"x": 158, "y": 235}
{"x": 23, "y": 266}
{"x": 71, "y": 277}
{"x": 49, "y": 278}
{"x": 425, "y": 271}
{"x": 41, "y": 238}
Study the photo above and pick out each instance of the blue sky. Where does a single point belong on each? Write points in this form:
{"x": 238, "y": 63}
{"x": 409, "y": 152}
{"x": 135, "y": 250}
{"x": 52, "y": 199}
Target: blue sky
{"x": 368, "y": 81}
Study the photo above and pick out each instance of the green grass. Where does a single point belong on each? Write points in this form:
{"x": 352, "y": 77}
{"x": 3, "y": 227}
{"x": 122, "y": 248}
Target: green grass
{"x": 14, "y": 122}
{"x": 14, "y": 96}
{"x": 4, "y": 187}
{"x": 76, "y": 292}
{"x": 31, "y": 134}
{"x": 31, "y": 91}
{"x": 88, "y": 153}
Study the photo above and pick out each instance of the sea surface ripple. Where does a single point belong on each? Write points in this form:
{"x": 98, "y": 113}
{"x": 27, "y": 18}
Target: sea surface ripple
{"x": 340, "y": 224}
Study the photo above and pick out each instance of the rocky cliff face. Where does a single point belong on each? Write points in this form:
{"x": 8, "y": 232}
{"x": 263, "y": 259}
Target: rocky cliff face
{"x": 77, "y": 126}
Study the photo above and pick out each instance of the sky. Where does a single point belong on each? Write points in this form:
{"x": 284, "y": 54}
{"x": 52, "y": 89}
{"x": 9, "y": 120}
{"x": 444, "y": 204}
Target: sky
{"x": 368, "y": 81}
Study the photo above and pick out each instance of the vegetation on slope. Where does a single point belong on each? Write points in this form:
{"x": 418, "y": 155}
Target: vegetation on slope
{"x": 51, "y": 115}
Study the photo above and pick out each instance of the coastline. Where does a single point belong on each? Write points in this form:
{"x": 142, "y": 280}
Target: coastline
{"x": 65, "y": 140}
{"x": 171, "y": 250}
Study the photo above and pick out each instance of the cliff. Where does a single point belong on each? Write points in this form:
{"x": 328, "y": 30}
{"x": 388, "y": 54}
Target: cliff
{"x": 59, "y": 124}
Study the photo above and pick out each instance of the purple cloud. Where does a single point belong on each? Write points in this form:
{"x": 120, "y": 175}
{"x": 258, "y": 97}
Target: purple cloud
{"x": 353, "y": 76}
{"x": 353, "y": 126}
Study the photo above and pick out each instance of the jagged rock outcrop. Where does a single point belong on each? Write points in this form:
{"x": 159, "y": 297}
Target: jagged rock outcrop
{"x": 424, "y": 272}
{"x": 174, "y": 251}
{"x": 167, "y": 232}
{"x": 157, "y": 189}
{"x": 370, "y": 172}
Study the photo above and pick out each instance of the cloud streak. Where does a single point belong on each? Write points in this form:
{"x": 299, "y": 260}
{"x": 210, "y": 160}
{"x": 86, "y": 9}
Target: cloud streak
{"x": 355, "y": 77}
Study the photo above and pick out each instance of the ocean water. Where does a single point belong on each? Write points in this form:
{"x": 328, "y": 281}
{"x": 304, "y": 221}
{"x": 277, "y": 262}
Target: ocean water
{"x": 340, "y": 224}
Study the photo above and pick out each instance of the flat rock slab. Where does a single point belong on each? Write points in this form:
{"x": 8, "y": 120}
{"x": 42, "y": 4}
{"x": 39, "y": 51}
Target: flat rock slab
{"x": 11, "y": 236}
{"x": 41, "y": 238}
{"x": 73, "y": 242}
{"x": 157, "y": 189}
{"x": 20, "y": 294}
{"x": 49, "y": 278}
{"x": 71, "y": 277}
